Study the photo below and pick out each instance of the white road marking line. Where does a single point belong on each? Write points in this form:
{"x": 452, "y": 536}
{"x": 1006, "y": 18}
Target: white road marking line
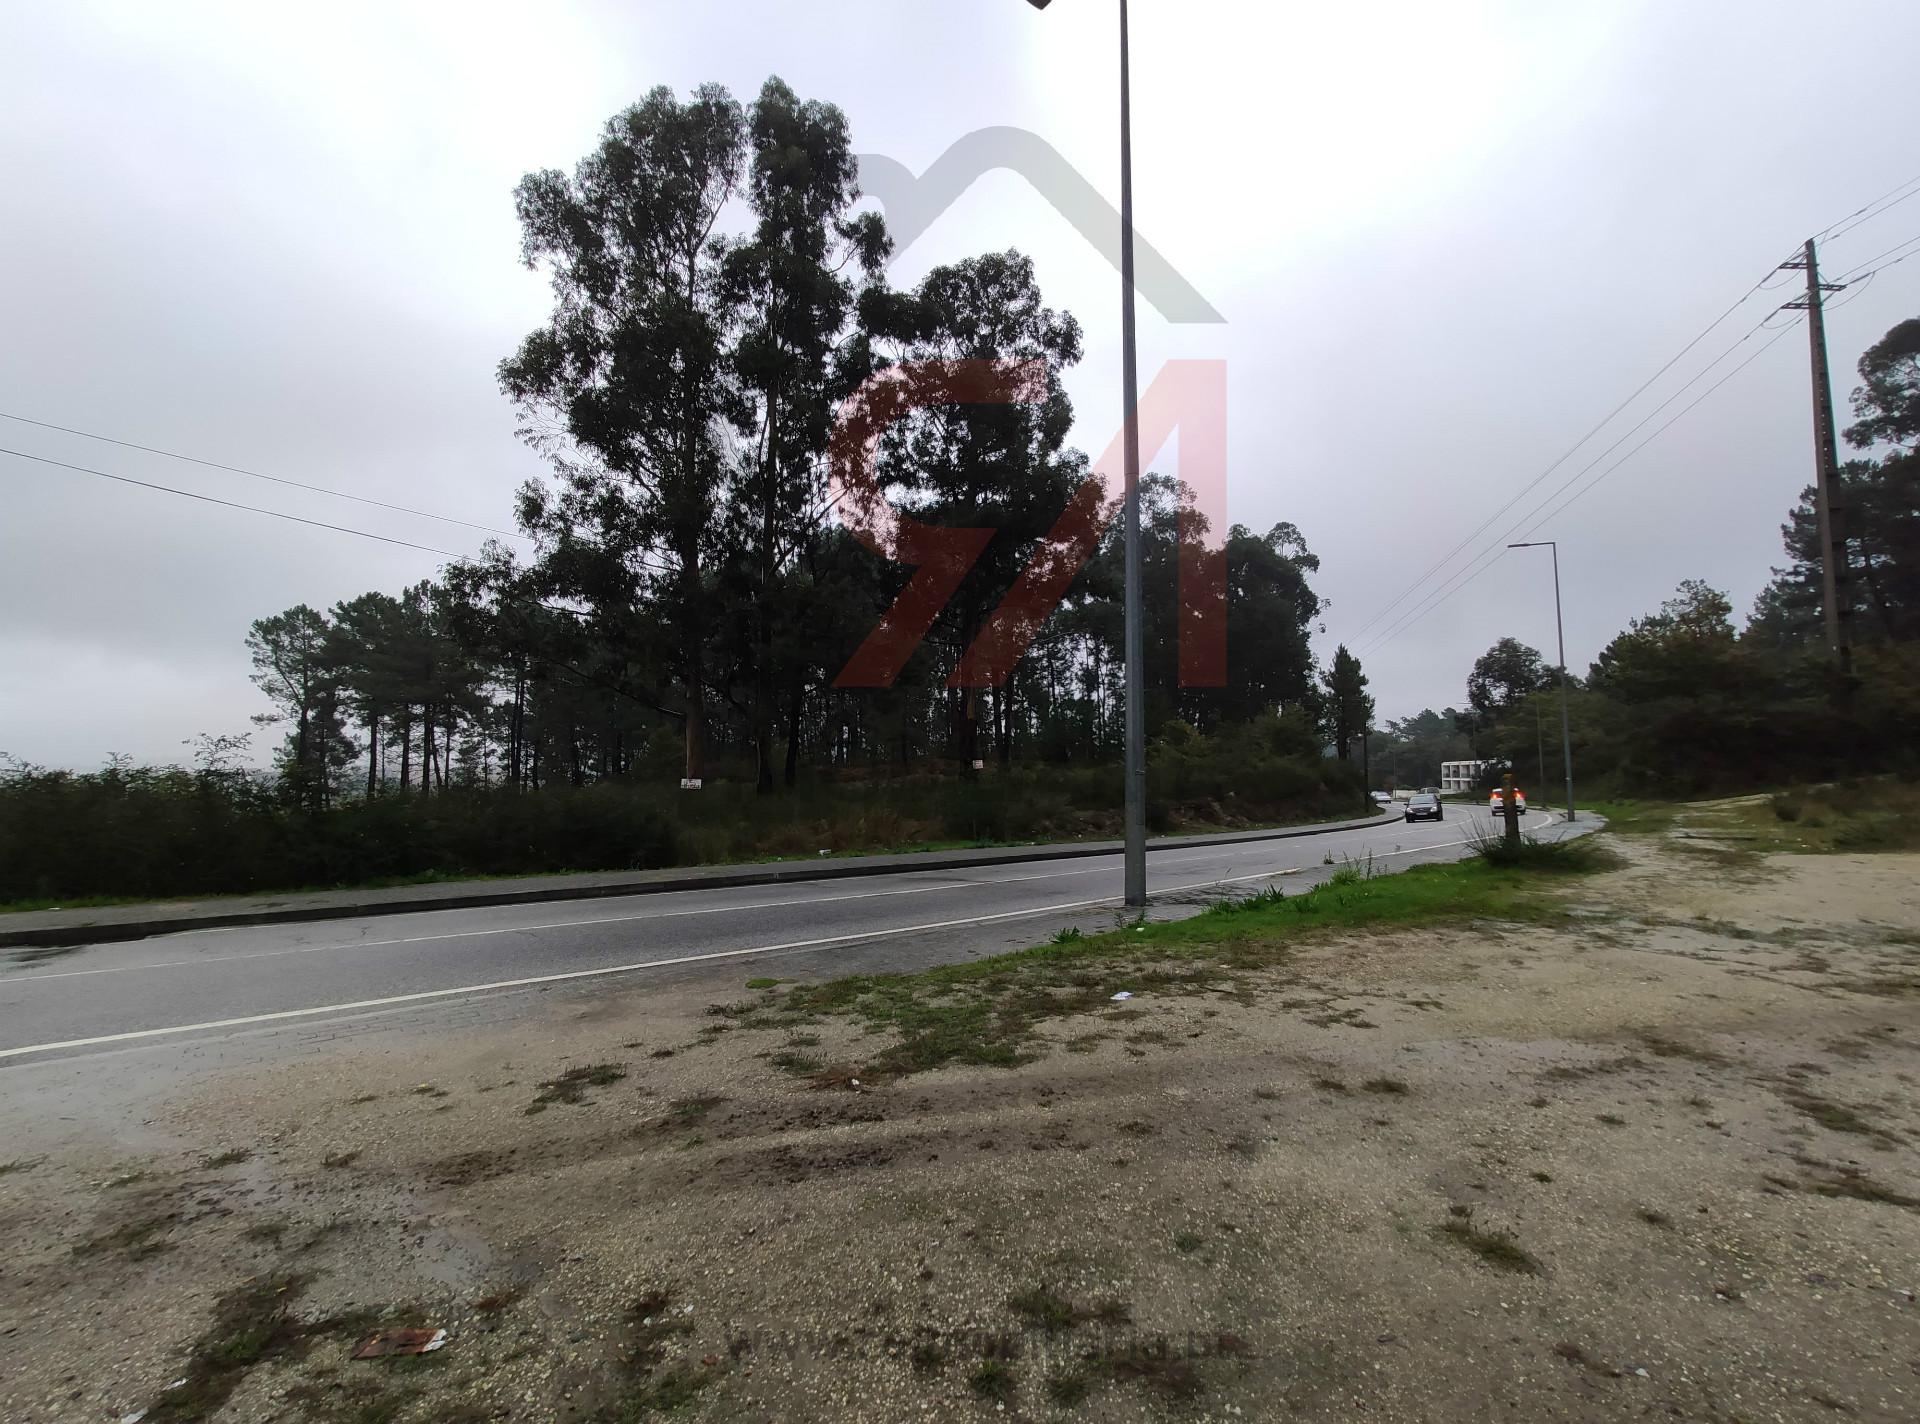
{"x": 530, "y": 929}
{"x": 560, "y": 978}
{"x": 286, "y": 1014}
{"x": 31, "y": 978}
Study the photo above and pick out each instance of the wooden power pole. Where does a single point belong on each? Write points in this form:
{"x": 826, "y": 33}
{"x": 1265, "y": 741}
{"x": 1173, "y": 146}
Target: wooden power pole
{"x": 1836, "y": 588}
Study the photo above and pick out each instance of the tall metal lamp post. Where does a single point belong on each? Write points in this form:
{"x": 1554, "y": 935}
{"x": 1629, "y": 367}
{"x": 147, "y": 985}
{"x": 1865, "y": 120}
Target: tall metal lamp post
{"x": 1136, "y": 748}
{"x": 1560, "y": 628}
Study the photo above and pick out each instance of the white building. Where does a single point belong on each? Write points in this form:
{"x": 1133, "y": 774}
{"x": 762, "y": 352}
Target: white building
{"x": 1459, "y": 776}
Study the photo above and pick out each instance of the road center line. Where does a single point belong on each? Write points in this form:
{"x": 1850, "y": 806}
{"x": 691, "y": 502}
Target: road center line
{"x": 427, "y": 995}
{"x": 550, "y": 925}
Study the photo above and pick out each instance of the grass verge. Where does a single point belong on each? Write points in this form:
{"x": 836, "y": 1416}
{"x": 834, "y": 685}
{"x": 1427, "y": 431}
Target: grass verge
{"x": 990, "y": 1012}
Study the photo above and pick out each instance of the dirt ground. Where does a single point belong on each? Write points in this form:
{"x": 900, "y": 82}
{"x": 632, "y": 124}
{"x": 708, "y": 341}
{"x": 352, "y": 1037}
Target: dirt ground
{"x": 1662, "y": 1164}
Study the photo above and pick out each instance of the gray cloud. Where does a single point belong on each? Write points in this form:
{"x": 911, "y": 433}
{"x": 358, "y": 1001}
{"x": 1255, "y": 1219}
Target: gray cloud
{"x": 1444, "y": 239}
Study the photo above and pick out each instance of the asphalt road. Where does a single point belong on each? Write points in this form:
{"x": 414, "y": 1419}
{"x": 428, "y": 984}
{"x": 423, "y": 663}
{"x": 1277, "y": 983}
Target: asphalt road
{"x": 211, "y": 985}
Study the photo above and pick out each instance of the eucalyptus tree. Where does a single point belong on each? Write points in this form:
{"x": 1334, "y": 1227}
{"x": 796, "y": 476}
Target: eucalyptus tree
{"x": 627, "y": 386}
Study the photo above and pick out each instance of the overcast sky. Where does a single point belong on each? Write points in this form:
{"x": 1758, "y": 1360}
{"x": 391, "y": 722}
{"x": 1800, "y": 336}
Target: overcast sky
{"x": 1446, "y": 240}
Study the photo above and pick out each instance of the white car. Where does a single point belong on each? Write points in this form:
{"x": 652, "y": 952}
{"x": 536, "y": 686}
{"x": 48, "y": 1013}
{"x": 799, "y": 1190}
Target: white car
{"x": 1519, "y": 800}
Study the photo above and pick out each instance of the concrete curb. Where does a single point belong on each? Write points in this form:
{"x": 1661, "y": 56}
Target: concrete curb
{"x": 139, "y": 925}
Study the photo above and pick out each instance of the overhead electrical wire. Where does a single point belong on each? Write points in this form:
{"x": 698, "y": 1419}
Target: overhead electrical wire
{"x": 584, "y": 676}
{"x": 231, "y": 504}
{"x": 257, "y": 475}
{"x": 1568, "y": 454}
{"x": 1893, "y": 197}
{"x": 1908, "y": 189}
{"x": 1535, "y": 519}
{"x": 1859, "y": 272}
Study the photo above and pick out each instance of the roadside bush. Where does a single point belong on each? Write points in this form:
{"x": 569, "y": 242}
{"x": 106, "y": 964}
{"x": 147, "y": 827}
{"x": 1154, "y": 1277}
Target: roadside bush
{"x": 1575, "y": 856}
{"x": 164, "y": 832}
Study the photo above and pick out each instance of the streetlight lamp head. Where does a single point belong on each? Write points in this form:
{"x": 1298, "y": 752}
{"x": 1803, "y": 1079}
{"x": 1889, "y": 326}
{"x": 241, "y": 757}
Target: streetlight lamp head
{"x": 1039, "y": 4}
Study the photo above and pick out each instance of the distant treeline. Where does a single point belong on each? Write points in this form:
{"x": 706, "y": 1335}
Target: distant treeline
{"x": 1682, "y": 702}
{"x": 691, "y": 593}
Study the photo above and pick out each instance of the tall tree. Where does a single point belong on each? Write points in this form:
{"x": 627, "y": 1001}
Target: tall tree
{"x": 291, "y": 664}
{"x": 1502, "y": 678}
{"x": 1349, "y": 707}
{"x": 1003, "y": 467}
{"x": 627, "y": 385}
{"x": 789, "y": 286}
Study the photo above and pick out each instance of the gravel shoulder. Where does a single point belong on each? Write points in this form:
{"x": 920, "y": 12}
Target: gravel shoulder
{"x": 1660, "y": 1160}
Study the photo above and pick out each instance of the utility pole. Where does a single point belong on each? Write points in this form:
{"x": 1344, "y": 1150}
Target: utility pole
{"x": 1134, "y": 760}
{"x": 1136, "y": 755}
{"x": 1836, "y": 584}
{"x": 1560, "y": 631}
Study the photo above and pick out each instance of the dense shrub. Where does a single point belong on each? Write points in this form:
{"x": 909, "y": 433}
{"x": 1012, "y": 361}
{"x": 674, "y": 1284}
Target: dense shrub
{"x": 154, "y": 832}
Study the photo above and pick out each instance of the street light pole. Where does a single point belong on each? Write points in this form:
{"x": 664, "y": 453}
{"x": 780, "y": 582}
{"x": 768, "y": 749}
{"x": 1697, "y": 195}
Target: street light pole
{"x": 1560, "y": 628}
{"x": 1135, "y": 757}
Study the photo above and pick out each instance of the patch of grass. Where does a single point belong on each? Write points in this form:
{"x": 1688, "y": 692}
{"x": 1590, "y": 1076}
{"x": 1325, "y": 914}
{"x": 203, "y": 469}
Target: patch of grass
{"x": 250, "y": 1325}
{"x": 800, "y": 1064}
{"x": 765, "y": 983}
{"x": 689, "y": 1112}
{"x": 928, "y": 1356}
{"x": 1637, "y": 818}
{"x": 995, "y": 1380}
{"x": 1068, "y": 1388}
{"x": 136, "y": 1240}
{"x": 1610, "y": 1119}
{"x": 1869, "y": 814}
{"x": 1661, "y": 1046}
{"x": 571, "y": 1086}
{"x": 1835, "y": 1117}
{"x": 1188, "y": 1241}
{"x": 1155, "y": 1366}
{"x": 232, "y": 1158}
{"x": 1579, "y": 856}
{"x": 1855, "y": 1185}
{"x": 988, "y": 1012}
{"x": 1497, "y": 1248}
{"x": 1044, "y": 1308}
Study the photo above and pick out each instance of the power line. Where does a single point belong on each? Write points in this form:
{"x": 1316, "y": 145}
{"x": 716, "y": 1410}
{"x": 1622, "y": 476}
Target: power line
{"x": 1556, "y": 512}
{"x": 1872, "y": 210}
{"x": 1489, "y": 557}
{"x": 1891, "y": 198}
{"x": 232, "y": 504}
{"x": 1858, "y": 274}
{"x": 1568, "y": 454}
{"x": 257, "y": 475}
{"x": 652, "y": 565}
